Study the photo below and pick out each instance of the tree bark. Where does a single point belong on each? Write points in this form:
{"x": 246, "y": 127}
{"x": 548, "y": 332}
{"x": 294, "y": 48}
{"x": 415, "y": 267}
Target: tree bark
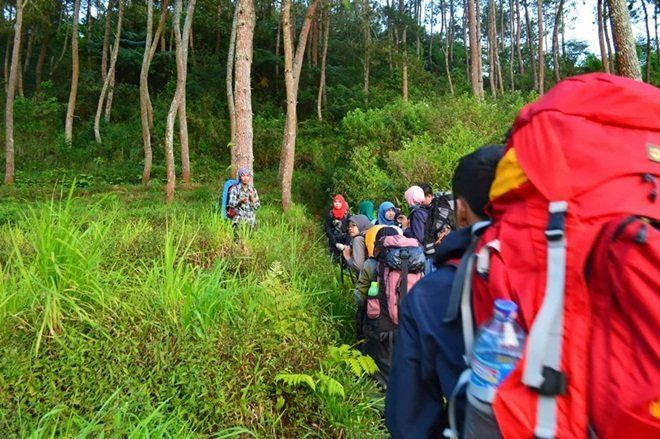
{"x": 366, "y": 32}
{"x": 28, "y": 52}
{"x": 530, "y": 46}
{"x": 42, "y": 58}
{"x": 624, "y": 41}
{"x": 539, "y": 10}
{"x": 75, "y": 72}
{"x": 521, "y": 64}
{"x": 512, "y": 34}
{"x": 648, "y": 41}
{"x": 108, "y": 78}
{"x": 292, "y": 68}
{"x": 466, "y": 42}
{"x": 7, "y": 57}
{"x": 229, "y": 84}
{"x": 320, "y": 100}
{"x": 608, "y": 41}
{"x": 445, "y": 50}
{"x": 601, "y": 38}
{"x": 555, "y": 41}
{"x": 182, "y": 41}
{"x": 19, "y": 76}
{"x": 404, "y": 84}
{"x": 492, "y": 49}
{"x": 243, "y": 153}
{"x": 277, "y": 50}
{"x": 475, "y": 52}
{"x": 106, "y": 41}
{"x": 146, "y": 110}
{"x": 11, "y": 89}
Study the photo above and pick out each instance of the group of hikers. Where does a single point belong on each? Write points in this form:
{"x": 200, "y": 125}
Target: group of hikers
{"x": 421, "y": 368}
{"x": 525, "y": 302}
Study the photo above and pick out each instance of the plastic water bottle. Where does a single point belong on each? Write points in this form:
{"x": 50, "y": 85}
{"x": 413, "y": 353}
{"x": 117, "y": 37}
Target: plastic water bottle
{"x": 497, "y": 349}
{"x": 373, "y": 289}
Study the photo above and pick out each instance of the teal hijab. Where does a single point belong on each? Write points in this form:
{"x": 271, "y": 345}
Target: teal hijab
{"x": 366, "y": 208}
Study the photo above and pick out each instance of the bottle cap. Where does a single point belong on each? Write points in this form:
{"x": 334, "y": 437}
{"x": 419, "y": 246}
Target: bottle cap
{"x": 507, "y": 308}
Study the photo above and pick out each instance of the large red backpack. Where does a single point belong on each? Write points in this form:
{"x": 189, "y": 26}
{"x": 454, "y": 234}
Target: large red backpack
{"x": 574, "y": 241}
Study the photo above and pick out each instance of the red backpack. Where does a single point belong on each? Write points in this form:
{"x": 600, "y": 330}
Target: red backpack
{"x": 575, "y": 243}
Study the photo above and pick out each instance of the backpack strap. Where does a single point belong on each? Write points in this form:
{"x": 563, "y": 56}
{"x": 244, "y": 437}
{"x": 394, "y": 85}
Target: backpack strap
{"x": 461, "y": 296}
{"x": 461, "y": 385}
{"x": 403, "y": 283}
{"x": 543, "y": 361}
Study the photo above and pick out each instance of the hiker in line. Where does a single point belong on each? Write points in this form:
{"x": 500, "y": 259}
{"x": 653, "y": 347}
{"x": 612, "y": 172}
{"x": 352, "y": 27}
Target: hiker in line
{"x": 244, "y": 199}
{"x": 356, "y": 253}
{"x": 336, "y": 226}
{"x": 377, "y": 343}
{"x": 418, "y": 214}
{"x": 386, "y": 214}
{"x": 428, "y": 193}
{"x": 428, "y": 353}
{"x": 366, "y": 208}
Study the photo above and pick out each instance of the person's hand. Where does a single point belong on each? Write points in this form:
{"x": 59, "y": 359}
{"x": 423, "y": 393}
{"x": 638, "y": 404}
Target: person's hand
{"x": 251, "y": 198}
{"x": 244, "y": 200}
{"x": 340, "y": 246}
{"x": 347, "y": 252}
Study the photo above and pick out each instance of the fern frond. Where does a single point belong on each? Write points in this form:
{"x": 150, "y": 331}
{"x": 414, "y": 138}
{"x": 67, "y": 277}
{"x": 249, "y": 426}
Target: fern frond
{"x": 296, "y": 379}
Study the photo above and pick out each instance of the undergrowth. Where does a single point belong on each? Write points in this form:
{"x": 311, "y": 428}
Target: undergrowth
{"x": 122, "y": 317}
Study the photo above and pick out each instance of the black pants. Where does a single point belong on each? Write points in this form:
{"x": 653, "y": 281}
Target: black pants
{"x": 378, "y": 345}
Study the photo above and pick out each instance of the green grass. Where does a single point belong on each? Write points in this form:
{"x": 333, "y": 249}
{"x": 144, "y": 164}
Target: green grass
{"x": 123, "y": 317}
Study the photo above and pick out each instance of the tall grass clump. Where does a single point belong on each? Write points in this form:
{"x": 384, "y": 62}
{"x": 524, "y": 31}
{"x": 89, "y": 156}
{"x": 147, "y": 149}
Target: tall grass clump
{"x": 54, "y": 264}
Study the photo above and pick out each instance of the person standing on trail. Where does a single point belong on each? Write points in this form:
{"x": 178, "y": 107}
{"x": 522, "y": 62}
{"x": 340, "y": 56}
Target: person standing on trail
{"x": 244, "y": 199}
{"x": 336, "y": 226}
{"x": 356, "y": 253}
{"x": 418, "y": 214}
{"x": 366, "y": 208}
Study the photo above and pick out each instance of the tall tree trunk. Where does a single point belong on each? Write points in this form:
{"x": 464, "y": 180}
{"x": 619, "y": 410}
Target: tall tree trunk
{"x": 492, "y": 48}
{"x": 555, "y": 41}
{"x": 42, "y": 58}
{"x": 7, "y": 56}
{"x": 11, "y": 89}
{"x": 75, "y": 72}
{"x": 106, "y": 41}
{"x": 530, "y": 46}
{"x": 479, "y": 49}
{"x": 320, "y": 100}
{"x": 19, "y": 77}
{"x": 366, "y": 32}
{"x": 108, "y": 78}
{"x": 499, "y": 45}
{"x": 466, "y": 42}
{"x": 608, "y": 41}
{"x": 229, "y": 85}
{"x": 243, "y": 154}
{"x": 601, "y": 38}
{"x": 521, "y": 64}
{"x": 146, "y": 110}
{"x": 277, "y": 50}
{"x": 475, "y": 51}
{"x": 430, "y": 59}
{"x": 182, "y": 41}
{"x": 292, "y": 68}
{"x": 186, "y": 43}
{"x": 512, "y": 50}
{"x": 648, "y": 41}
{"x": 443, "y": 18}
{"x": 656, "y": 9}
{"x": 450, "y": 32}
{"x": 624, "y": 41}
{"x": 539, "y": 10}
{"x": 404, "y": 84}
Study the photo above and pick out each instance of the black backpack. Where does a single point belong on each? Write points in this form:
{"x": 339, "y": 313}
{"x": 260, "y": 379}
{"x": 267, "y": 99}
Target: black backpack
{"x": 441, "y": 217}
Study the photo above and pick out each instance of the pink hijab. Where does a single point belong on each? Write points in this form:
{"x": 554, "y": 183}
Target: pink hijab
{"x": 414, "y": 196}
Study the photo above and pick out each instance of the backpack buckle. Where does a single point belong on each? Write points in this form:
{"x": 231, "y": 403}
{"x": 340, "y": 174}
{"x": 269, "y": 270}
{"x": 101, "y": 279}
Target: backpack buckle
{"x": 554, "y": 382}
